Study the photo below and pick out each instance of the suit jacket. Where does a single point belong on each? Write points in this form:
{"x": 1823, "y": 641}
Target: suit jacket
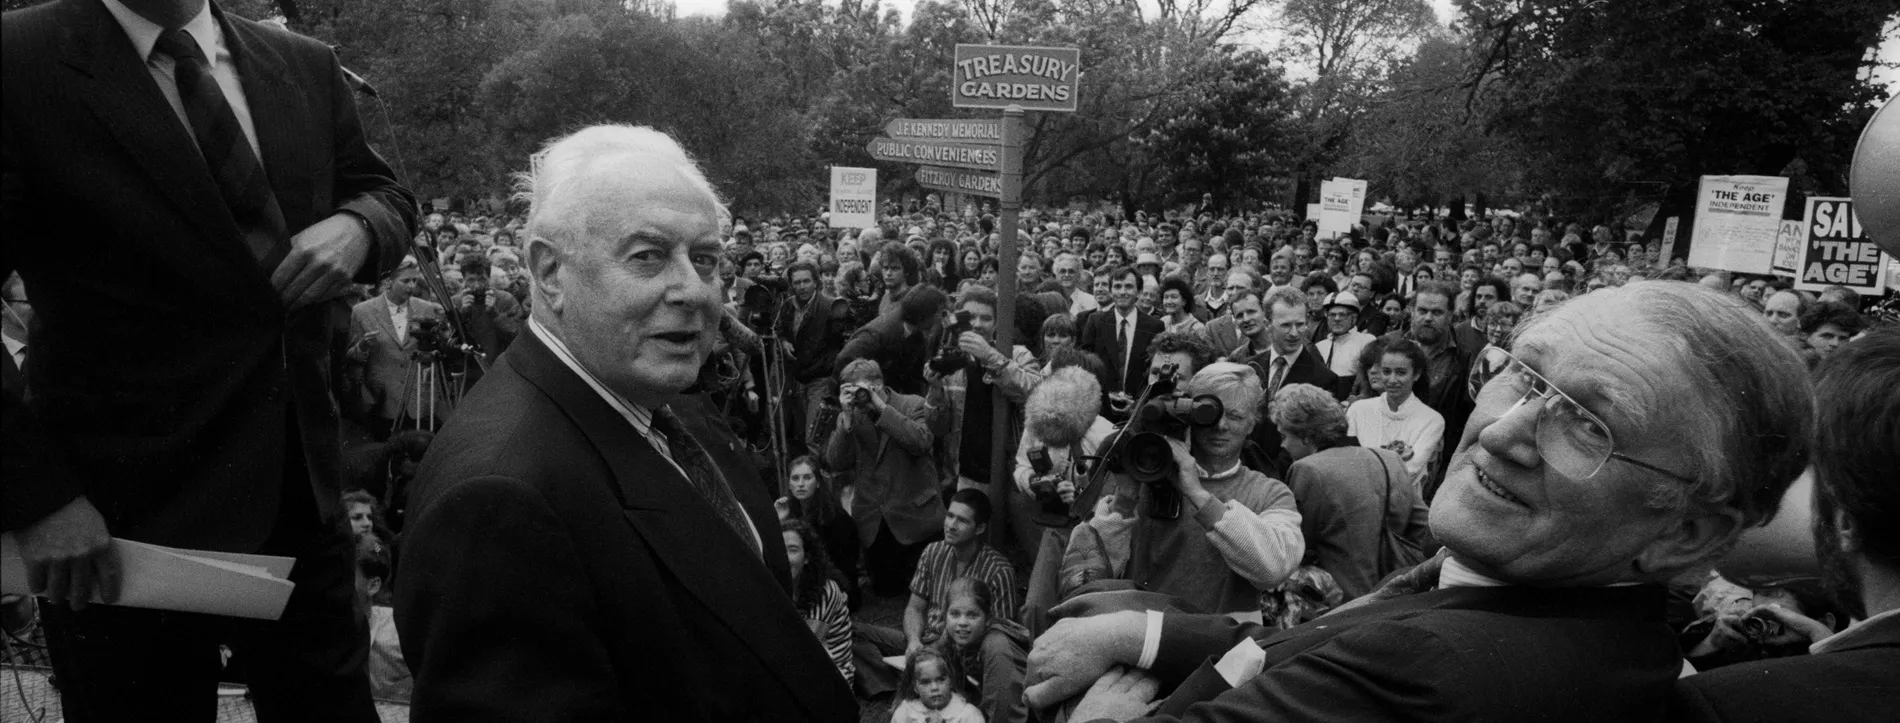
{"x": 817, "y": 341}
{"x": 890, "y": 463}
{"x": 557, "y": 567}
{"x": 386, "y": 374}
{"x": 1855, "y": 681}
{"x": 166, "y": 372}
{"x": 1307, "y": 368}
{"x": 1223, "y": 332}
{"x": 1464, "y": 654}
{"x": 901, "y": 356}
{"x": 1098, "y": 337}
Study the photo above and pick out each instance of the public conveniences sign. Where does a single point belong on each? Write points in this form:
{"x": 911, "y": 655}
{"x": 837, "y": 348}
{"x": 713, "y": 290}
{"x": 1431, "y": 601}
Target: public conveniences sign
{"x": 982, "y": 158}
{"x": 999, "y": 76}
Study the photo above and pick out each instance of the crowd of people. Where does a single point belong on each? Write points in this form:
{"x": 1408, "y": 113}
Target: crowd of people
{"x": 1342, "y": 374}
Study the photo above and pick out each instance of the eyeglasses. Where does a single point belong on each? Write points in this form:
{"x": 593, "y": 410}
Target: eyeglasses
{"x": 1570, "y": 438}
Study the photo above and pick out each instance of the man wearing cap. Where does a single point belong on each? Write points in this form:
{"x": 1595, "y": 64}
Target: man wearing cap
{"x": 1148, "y": 264}
{"x": 1340, "y": 349}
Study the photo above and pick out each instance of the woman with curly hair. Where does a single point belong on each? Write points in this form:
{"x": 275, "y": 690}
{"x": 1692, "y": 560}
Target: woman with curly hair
{"x": 817, "y": 596}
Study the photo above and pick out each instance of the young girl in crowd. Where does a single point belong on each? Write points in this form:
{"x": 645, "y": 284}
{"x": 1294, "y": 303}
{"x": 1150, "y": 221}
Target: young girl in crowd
{"x": 813, "y": 500}
{"x": 817, "y": 596}
{"x": 932, "y": 691}
{"x": 990, "y": 648}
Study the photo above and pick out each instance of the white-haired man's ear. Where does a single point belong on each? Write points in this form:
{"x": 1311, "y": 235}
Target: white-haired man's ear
{"x": 545, "y": 263}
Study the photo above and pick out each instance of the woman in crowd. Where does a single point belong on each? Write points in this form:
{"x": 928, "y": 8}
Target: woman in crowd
{"x": 1398, "y": 320}
{"x": 992, "y": 649}
{"x": 1422, "y": 275}
{"x": 941, "y": 271}
{"x": 1349, "y": 496}
{"x": 817, "y": 596}
{"x": 813, "y": 500}
{"x": 1397, "y": 419}
{"x": 1500, "y": 321}
{"x": 967, "y": 266}
{"x": 1177, "y": 306}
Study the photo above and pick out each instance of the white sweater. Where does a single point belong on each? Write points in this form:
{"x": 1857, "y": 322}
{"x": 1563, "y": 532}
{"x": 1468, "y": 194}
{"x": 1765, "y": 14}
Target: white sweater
{"x": 1416, "y": 424}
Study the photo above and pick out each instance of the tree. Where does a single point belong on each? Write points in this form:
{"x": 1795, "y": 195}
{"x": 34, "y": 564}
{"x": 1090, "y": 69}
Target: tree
{"x": 1630, "y": 101}
{"x": 1231, "y": 136}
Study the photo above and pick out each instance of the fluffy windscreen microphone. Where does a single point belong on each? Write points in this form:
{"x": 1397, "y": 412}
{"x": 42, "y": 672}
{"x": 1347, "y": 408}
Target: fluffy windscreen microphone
{"x": 1063, "y": 407}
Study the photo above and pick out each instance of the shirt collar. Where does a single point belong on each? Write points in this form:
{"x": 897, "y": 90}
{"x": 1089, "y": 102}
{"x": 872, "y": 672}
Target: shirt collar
{"x": 1207, "y": 476}
{"x": 144, "y": 33}
{"x": 1846, "y": 637}
{"x": 1457, "y": 574}
{"x": 640, "y": 417}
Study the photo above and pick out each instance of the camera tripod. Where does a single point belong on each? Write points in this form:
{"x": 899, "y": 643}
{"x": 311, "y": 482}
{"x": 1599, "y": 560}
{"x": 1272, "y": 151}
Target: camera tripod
{"x": 429, "y": 390}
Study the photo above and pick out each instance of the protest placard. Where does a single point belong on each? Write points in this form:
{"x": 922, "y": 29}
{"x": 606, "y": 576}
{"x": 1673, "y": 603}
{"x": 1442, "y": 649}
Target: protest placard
{"x": 1669, "y": 240}
{"x": 1335, "y": 208}
{"x": 1788, "y": 248}
{"x": 1736, "y": 221}
{"x": 853, "y": 197}
{"x": 1836, "y": 250}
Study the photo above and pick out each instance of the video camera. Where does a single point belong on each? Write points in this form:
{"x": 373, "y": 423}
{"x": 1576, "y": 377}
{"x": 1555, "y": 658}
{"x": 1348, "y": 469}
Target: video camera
{"x": 1145, "y": 456}
{"x": 433, "y": 338}
{"x": 761, "y": 300}
{"x": 950, "y": 357}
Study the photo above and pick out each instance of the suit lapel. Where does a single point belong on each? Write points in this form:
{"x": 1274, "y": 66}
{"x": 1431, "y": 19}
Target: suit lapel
{"x": 661, "y": 506}
{"x": 277, "y": 110}
{"x": 121, "y": 91}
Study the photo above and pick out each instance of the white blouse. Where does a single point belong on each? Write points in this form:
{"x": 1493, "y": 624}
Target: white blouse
{"x": 1416, "y": 423}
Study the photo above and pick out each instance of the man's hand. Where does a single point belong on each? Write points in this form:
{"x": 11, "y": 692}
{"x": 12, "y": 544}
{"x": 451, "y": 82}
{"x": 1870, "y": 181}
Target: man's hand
{"x": 978, "y": 348}
{"x": 1187, "y": 477}
{"x": 1123, "y": 694}
{"x": 1795, "y": 627}
{"x": 69, "y": 555}
{"x": 1074, "y": 652}
{"x": 322, "y": 259}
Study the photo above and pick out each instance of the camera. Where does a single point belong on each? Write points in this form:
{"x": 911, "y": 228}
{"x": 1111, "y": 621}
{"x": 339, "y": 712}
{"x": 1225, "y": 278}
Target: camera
{"x": 950, "y": 357}
{"x": 1759, "y": 628}
{"x": 860, "y": 397}
{"x": 761, "y": 300}
{"x": 1146, "y": 456}
{"x": 1051, "y": 511}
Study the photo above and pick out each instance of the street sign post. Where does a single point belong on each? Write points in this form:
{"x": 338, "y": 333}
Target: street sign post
{"x": 954, "y": 181}
{"x": 961, "y": 155}
{"x": 983, "y": 131}
{"x": 1031, "y": 78}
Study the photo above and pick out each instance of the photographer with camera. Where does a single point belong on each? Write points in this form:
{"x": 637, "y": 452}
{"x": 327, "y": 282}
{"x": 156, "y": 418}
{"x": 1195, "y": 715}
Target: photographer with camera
{"x": 1237, "y": 531}
{"x": 493, "y": 317}
{"x": 384, "y": 339}
{"x": 899, "y": 340}
{"x": 977, "y": 359}
{"x": 882, "y": 444}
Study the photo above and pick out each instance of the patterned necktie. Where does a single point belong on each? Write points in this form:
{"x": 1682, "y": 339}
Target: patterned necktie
{"x": 1279, "y": 375}
{"x": 227, "y": 153}
{"x": 704, "y": 475}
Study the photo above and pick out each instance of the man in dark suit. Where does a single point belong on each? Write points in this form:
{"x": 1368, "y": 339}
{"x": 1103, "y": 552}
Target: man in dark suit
{"x": 1850, "y": 675}
{"x": 573, "y": 550}
{"x": 811, "y": 328}
{"x": 1549, "y": 601}
{"x": 1119, "y": 335}
{"x": 1280, "y": 355}
{"x": 180, "y": 390}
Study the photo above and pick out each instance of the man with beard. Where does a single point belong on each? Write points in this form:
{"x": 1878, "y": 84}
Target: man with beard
{"x": 1849, "y": 675}
{"x": 1470, "y": 332}
{"x": 1448, "y": 361}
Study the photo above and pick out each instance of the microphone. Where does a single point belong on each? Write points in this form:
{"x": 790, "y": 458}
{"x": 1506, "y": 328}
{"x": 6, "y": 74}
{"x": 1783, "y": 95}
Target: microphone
{"x": 358, "y": 84}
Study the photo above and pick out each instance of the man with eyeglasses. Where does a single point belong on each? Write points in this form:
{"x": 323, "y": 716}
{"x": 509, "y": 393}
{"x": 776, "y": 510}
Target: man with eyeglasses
{"x": 1584, "y": 483}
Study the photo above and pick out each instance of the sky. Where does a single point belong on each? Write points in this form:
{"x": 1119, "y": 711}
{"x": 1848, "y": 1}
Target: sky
{"x": 1889, "y": 51}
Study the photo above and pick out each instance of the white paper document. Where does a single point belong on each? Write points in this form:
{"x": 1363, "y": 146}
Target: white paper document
{"x": 166, "y": 578}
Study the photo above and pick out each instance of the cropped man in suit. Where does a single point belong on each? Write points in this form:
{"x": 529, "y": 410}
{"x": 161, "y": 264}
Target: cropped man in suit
{"x": 1849, "y": 676}
{"x": 1119, "y": 335}
{"x": 1224, "y": 332}
{"x": 1549, "y": 603}
{"x": 573, "y": 550}
{"x": 1278, "y": 352}
{"x": 180, "y": 390}
{"x": 382, "y": 338}
{"x": 811, "y": 328}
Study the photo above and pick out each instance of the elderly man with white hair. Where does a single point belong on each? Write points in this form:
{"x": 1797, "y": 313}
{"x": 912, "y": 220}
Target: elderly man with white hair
{"x": 1585, "y": 479}
{"x": 574, "y": 550}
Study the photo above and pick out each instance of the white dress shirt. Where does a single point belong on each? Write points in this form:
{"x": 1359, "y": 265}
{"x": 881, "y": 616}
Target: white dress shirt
{"x": 399, "y": 319}
{"x": 210, "y": 36}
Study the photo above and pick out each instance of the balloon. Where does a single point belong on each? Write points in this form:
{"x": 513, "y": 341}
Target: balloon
{"x": 1875, "y": 179}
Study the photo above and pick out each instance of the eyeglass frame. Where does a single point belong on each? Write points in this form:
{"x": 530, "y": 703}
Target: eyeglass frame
{"x": 1530, "y": 390}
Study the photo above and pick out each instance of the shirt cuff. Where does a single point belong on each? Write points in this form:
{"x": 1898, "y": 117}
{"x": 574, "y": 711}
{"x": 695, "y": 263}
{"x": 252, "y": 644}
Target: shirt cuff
{"x": 1241, "y": 663}
{"x": 1151, "y": 641}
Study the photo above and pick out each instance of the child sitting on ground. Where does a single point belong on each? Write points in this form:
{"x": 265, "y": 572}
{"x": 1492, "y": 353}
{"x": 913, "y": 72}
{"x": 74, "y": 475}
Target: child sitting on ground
{"x": 932, "y": 691}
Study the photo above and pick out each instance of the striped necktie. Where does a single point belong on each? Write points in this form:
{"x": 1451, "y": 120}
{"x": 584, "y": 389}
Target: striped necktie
{"x": 704, "y": 475}
{"x": 227, "y": 153}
